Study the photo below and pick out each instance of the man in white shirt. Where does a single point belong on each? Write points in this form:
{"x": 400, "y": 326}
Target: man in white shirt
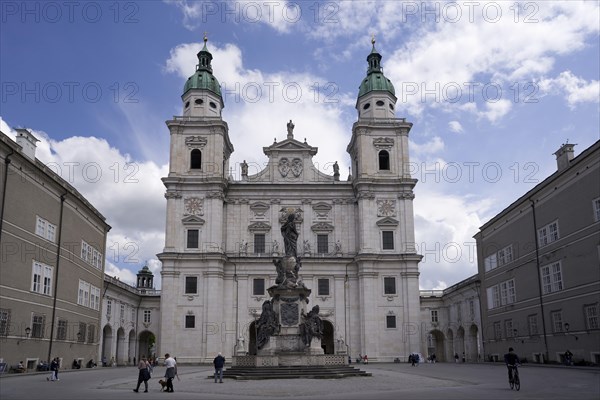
{"x": 171, "y": 365}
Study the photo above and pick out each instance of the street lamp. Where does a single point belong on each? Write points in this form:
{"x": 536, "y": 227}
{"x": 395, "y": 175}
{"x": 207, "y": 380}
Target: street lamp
{"x": 567, "y": 326}
{"x": 27, "y": 333}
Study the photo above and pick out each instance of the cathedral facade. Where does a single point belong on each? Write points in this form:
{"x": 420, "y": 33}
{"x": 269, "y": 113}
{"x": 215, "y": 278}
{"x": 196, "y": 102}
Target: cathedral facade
{"x": 355, "y": 237}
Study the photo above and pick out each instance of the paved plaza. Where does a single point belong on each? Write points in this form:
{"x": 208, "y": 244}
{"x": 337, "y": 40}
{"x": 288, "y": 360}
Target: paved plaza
{"x": 389, "y": 381}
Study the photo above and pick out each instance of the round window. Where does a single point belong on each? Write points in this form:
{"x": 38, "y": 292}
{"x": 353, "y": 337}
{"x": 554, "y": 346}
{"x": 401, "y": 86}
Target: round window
{"x": 187, "y": 104}
{"x": 213, "y": 105}
{"x": 198, "y": 101}
{"x": 366, "y": 106}
{"x": 379, "y": 103}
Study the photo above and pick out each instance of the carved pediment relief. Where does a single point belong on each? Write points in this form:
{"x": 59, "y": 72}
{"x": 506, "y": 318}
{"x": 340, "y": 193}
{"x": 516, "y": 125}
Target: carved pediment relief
{"x": 192, "y": 220}
{"x": 196, "y": 141}
{"x": 322, "y": 210}
{"x": 259, "y": 227}
{"x": 259, "y": 209}
{"x": 322, "y": 227}
{"x": 383, "y": 143}
{"x": 285, "y": 211}
{"x": 387, "y": 221}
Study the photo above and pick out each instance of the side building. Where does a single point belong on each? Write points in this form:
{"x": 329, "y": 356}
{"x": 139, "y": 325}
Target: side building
{"x": 130, "y": 320}
{"x": 538, "y": 262}
{"x": 451, "y": 322}
{"x": 52, "y": 246}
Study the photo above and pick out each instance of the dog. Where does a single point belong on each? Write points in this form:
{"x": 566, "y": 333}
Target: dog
{"x": 163, "y": 384}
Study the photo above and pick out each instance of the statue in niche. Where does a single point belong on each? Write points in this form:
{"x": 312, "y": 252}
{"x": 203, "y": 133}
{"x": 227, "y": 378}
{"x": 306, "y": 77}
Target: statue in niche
{"x": 267, "y": 325}
{"x": 306, "y": 247}
{"x": 312, "y": 326}
{"x": 290, "y": 235}
{"x": 275, "y": 247}
{"x": 244, "y": 166}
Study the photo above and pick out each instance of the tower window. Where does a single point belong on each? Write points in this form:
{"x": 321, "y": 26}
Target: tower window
{"x": 322, "y": 244}
{"x": 380, "y": 103}
{"x": 390, "y": 321}
{"x": 389, "y": 285}
{"x": 187, "y": 104}
{"x": 366, "y": 106}
{"x": 212, "y": 105}
{"x": 258, "y": 287}
{"x": 391, "y": 106}
{"x": 192, "y": 238}
{"x": 190, "y": 321}
{"x": 387, "y": 240}
{"x": 191, "y": 285}
{"x": 323, "y": 287}
{"x": 384, "y": 160}
{"x": 198, "y": 101}
{"x": 196, "y": 159}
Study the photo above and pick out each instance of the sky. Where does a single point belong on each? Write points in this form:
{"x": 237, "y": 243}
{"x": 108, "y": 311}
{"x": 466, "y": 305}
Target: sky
{"x": 493, "y": 90}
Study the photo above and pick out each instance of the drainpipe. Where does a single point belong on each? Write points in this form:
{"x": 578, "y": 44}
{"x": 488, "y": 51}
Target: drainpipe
{"x": 7, "y": 163}
{"x": 55, "y": 294}
{"x": 539, "y": 279}
{"x": 237, "y": 308}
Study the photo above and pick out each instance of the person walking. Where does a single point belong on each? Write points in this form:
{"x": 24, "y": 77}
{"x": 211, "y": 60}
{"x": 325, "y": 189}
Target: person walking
{"x": 219, "y": 363}
{"x": 143, "y": 374}
{"x": 171, "y": 371}
{"x": 54, "y": 370}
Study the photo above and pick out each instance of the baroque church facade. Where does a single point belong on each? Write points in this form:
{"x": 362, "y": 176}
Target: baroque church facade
{"x": 356, "y": 237}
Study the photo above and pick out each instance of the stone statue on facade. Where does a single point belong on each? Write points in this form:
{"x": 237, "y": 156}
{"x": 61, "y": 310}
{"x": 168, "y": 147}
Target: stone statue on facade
{"x": 336, "y": 171}
{"x": 290, "y": 129}
{"x": 244, "y": 167}
{"x": 312, "y": 326}
{"x": 267, "y": 325}
{"x": 290, "y": 236}
{"x": 287, "y": 272}
{"x": 306, "y": 247}
{"x": 275, "y": 247}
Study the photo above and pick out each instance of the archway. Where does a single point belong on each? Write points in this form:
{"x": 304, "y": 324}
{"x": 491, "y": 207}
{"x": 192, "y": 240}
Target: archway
{"x": 450, "y": 347}
{"x": 146, "y": 344}
{"x": 132, "y": 358}
{"x": 436, "y": 345}
{"x": 473, "y": 341}
{"x": 120, "y": 350}
{"x": 327, "y": 340}
{"x": 459, "y": 344}
{"x": 107, "y": 351}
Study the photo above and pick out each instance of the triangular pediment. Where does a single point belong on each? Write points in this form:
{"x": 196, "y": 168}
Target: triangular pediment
{"x": 192, "y": 220}
{"x": 260, "y": 227}
{"x": 290, "y": 145}
{"x": 388, "y": 221}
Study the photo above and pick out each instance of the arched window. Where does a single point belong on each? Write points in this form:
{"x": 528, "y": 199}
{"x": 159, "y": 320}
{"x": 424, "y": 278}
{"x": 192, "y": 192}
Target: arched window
{"x": 196, "y": 159}
{"x": 384, "y": 160}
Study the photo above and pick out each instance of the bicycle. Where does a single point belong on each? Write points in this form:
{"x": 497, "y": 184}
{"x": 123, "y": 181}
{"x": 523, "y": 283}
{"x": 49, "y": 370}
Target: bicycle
{"x": 515, "y": 382}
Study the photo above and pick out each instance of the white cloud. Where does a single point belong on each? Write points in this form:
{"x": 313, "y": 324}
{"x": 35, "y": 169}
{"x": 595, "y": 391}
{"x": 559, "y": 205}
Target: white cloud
{"x": 495, "y": 111}
{"x": 455, "y": 127}
{"x": 435, "y": 145}
{"x": 576, "y": 89}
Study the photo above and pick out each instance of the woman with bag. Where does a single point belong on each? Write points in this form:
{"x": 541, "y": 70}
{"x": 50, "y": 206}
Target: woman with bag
{"x": 143, "y": 375}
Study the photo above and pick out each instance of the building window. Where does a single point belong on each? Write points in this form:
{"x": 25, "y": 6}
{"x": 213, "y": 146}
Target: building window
{"x": 490, "y": 262}
{"x": 388, "y": 240}
{"x": 4, "y": 321}
{"x": 81, "y": 332}
{"x": 502, "y": 294}
{"x": 557, "y": 324}
{"x": 591, "y": 316}
{"x": 147, "y": 316}
{"x": 45, "y": 229}
{"x": 91, "y": 334}
{"x": 192, "y": 238}
{"x": 61, "y": 330}
{"x": 390, "y": 321}
{"x": 548, "y": 234}
{"x": 258, "y": 287}
{"x": 133, "y": 318}
{"x": 259, "y": 243}
{"x": 191, "y": 285}
{"x": 90, "y": 255}
{"x": 389, "y": 285}
{"x": 384, "y": 160}
{"x": 196, "y": 159}
{"x": 323, "y": 287}
{"x": 497, "y": 330}
{"x": 108, "y": 308}
{"x": 83, "y": 296}
{"x": 94, "y": 298}
{"x": 505, "y": 256}
{"x": 190, "y": 321}
{"x": 37, "y": 326}
{"x": 551, "y": 278}
{"x": 434, "y": 316}
{"x": 458, "y": 312}
{"x": 41, "y": 279}
{"x": 596, "y": 206}
{"x": 122, "y": 313}
{"x": 322, "y": 244}
{"x": 508, "y": 328}
{"x": 533, "y": 325}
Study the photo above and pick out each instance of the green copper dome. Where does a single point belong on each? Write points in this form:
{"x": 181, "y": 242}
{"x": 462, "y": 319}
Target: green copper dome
{"x": 375, "y": 80}
{"x": 203, "y": 77}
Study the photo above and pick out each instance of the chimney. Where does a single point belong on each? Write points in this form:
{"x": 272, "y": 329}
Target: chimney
{"x": 27, "y": 142}
{"x": 564, "y": 155}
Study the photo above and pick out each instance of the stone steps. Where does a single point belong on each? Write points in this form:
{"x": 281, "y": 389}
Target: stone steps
{"x": 292, "y": 372}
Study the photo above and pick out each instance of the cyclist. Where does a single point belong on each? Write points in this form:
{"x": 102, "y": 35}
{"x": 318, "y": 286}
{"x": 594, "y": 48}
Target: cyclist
{"x": 511, "y": 359}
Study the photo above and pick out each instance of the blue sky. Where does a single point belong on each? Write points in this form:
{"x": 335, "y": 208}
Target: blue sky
{"x": 95, "y": 81}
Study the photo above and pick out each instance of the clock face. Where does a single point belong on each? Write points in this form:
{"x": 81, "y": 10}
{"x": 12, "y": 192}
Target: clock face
{"x": 193, "y": 205}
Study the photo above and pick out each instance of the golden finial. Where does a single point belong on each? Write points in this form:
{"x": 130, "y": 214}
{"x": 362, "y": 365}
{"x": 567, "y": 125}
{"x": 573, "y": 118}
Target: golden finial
{"x": 373, "y": 39}
{"x": 205, "y": 37}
